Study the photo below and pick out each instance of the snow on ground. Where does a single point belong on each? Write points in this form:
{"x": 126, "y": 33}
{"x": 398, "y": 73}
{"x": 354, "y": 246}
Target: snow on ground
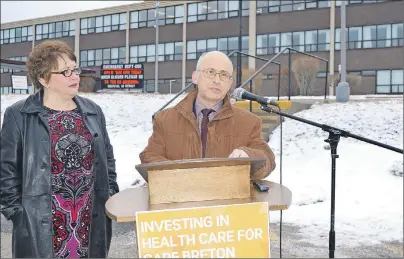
{"x": 129, "y": 125}
{"x": 333, "y": 98}
{"x": 369, "y": 194}
{"x": 369, "y": 189}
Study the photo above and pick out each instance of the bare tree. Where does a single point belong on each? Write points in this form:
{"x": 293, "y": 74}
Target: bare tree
{"x": 305, "y": 70}
{"x": 87, "y": 84}
{"x": 284, "y": 83}
{"x": 352, "y": 79}
{"x": 246, "y": 73}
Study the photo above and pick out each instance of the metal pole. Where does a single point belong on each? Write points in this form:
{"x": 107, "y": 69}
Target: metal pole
{"x": 240, "y": 7}
{"x": 289, "y": 74}
{"x": 343, "y": 90}
{"x": 279, "y": 79}
{"x": 332, "y": 47}
{"x": 343, "y": 41}
{"x": 156, "y": 67}
{"x": 326, "y": 80}
{"x": 251, "y": 92}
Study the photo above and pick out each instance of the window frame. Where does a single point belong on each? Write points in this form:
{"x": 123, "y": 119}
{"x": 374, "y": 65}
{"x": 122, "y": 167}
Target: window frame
{"x": 390, "y": 84}
{"x": 197, "y": 11}
{"x": 103, "y": 23}
{"x": 95, "y": 61}
{"x": 192, "y": 55}
{"x": 146, "y": 17}
{"x": 162, "y": 56}
{"x": 52, "y": 32}
{"x": 9, "y": 36}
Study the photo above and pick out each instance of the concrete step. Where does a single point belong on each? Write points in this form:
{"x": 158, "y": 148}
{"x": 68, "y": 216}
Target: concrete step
{"x": 269, "y": 117}
{"x": 266, "y": 131}
{"x": 266, "y": 127}
{"x": 270, "y": 121}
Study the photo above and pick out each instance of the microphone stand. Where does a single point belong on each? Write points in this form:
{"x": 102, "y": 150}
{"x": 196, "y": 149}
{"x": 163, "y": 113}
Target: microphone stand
{"x": 333, "y": 140}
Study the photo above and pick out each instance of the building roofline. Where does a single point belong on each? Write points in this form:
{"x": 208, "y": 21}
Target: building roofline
{"x": 90, "y": 13}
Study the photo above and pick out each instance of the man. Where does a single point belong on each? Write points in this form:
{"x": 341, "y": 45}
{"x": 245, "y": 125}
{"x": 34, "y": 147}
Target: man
{"x": 205, "y": 124}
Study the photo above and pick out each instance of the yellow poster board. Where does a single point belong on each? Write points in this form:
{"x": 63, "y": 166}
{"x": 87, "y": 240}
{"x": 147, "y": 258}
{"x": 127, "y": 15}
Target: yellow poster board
{"x": 229, "y": 231}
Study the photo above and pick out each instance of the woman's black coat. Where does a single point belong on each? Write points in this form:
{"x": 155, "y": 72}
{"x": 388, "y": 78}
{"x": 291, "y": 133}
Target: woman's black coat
{"x": 25, "y": 177}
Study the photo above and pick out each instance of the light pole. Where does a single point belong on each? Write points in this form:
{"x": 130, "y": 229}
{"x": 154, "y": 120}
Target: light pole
{"x": 343, "y": 90}
{"x": 240, "y": 7}
{"x": 156, "y": 66}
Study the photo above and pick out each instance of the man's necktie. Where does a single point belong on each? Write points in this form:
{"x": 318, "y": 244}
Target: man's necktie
{"x": 204, "y": 128}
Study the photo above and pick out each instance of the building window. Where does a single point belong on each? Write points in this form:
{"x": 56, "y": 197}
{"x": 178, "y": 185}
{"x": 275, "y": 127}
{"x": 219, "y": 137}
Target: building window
{"x": 105, "y": 23}
{"x": 372, "y": 36}
{"x": 323, "y": 40}
{"x": 311, "y": 41}
{"x": 368, "y": 73}
{"x": 195, "y": 48}
{"x": 316, "y": 40}
{"x": 98, "y": 57}
{"x": 274, "y": 43}
{"x": 298, "y": 40}
{"x": 55, "y": 30}
{"x": 147, "y": 53}
{"x": 376, "y": 36}
{"x": 354, "y": 37}
{"x": 270, "y": 6}
{"x": 6, "y": 70}
{"x": 397, "y": 35}
{"x": 338, "y": 2}
{"x": 14, "y": 35}
{"x": 273, "y": 6}
{"x": 383, "y": 36}
{"x": 147, "y": 18}
{"x": 217, "y": 9}
{"x": 389, "y": 81}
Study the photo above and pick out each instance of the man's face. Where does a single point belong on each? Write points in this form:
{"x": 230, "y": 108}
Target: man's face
{"x": 214, "y": 78}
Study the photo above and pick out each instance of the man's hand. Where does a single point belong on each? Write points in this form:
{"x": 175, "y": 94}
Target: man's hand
{"x": 238, "y": 153}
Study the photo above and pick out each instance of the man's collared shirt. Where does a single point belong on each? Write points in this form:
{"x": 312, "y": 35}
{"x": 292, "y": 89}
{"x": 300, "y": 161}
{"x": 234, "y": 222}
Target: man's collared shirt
{"x": 198, "y": 107}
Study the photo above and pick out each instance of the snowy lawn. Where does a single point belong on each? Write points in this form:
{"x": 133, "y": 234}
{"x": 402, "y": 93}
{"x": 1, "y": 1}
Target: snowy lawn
{"x": 369, "y": 191}
{"x": 369, "y": 183}
{"x": 128, "y": 118}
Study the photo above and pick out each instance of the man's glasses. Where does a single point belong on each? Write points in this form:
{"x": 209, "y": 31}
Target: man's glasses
{"x": 211, "y": 73}
{"x": 68, "y": 72}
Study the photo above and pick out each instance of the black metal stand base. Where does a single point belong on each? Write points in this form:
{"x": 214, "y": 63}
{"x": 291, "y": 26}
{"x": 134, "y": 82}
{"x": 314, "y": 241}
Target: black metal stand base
{"x": 333, "y": 139}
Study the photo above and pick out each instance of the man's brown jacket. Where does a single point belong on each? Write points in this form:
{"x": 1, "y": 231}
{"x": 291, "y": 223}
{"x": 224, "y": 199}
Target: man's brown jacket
{"x": 176, "y": 135}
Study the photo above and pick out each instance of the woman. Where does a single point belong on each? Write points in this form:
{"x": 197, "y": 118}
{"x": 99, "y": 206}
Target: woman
{"x": 57, "y": 163}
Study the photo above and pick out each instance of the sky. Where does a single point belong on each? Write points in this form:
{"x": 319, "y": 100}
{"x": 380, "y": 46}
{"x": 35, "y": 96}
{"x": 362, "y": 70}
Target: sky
{"x": 22, "y": 10}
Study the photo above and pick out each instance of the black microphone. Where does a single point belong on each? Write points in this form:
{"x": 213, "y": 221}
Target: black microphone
{"x": 241, "y": 94}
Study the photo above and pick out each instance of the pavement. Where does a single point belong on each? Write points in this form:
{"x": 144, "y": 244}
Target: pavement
{"x": 124, "y": 244}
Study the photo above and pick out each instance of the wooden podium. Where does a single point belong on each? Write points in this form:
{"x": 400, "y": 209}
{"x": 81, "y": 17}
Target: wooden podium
{"x": 195, "y": 183}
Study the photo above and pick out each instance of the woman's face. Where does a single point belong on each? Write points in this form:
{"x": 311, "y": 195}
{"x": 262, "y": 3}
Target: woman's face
{"x": 66, "y": 79}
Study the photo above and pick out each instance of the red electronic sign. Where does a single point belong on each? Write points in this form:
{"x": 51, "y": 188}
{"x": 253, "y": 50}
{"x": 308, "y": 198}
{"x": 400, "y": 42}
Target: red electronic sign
{"x": 122, "y": 76}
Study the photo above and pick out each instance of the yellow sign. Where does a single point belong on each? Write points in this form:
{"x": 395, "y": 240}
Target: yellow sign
{"x": 230, "y": 231}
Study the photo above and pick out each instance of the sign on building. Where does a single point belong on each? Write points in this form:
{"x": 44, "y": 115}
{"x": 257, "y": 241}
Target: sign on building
{"x": 122, "y": 76}
{"x": 19, "y": 82}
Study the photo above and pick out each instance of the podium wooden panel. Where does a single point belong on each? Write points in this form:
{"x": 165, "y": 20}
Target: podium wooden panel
{"x": 122, "y": 207}
{"x": 195, "y": 183}
{"x": 199, "y": 179}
